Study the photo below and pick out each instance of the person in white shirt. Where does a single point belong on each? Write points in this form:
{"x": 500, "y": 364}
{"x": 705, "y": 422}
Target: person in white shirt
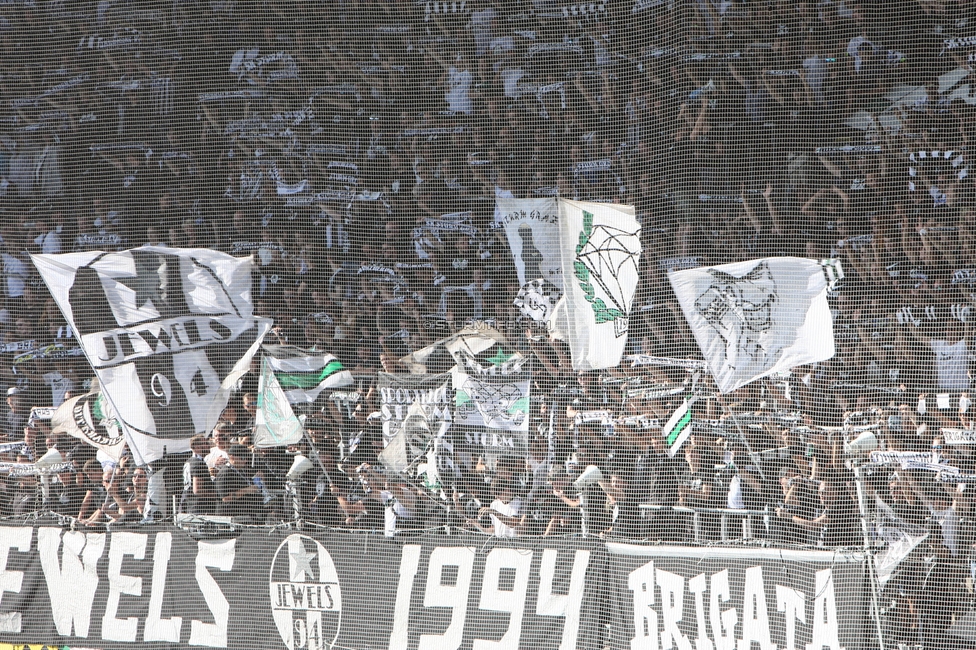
{"x": 218, "y": 456}
{"x": 505, "y": 513}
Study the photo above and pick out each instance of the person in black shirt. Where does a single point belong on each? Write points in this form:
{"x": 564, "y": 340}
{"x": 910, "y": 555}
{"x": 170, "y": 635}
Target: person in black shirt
{"x": 836, "y": 522}
{"x": 199, "y": 495}
{"x": 239, "y": 496}
{"x": 626, "y": 522}
{"x": 68, "y": 493}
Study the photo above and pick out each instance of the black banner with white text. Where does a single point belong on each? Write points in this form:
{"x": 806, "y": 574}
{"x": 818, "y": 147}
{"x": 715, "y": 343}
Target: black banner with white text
{"x": 159, "y": 587}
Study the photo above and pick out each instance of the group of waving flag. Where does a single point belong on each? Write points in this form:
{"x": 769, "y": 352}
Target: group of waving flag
{"x": 169, "y": 333}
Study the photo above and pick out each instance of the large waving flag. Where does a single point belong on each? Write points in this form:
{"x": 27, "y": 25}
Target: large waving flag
{"x": 532, "y": 229}
{"x": 600, "y": 266}
{"x": 754, "y": 318}
{"x": 168, "y": 332}
{"x": 304, "y": 374}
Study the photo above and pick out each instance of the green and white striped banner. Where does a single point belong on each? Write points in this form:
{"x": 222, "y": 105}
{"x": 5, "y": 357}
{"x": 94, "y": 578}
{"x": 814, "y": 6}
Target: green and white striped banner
{"x": 303, "y": 374}
{"x": 678, "y": 427}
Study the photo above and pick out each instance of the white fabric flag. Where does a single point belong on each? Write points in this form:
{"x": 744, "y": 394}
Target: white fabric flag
{"x": 496, "y": 402}
{"x": 600, "y": 253}
{"x": 275, "y": 423}
{"x": 168, "y": 332}
{"x": 532, "y": 229}
{"x": 754, "y": 318}
{"x": 90, "y": 418}
{"x": 303, "y": 374}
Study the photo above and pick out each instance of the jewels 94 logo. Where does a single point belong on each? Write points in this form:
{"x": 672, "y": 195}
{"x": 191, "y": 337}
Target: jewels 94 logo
{"x": 306, "y": 601}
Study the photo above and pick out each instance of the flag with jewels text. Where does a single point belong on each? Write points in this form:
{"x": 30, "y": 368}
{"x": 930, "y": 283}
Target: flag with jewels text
{"x": 168, "y": 332}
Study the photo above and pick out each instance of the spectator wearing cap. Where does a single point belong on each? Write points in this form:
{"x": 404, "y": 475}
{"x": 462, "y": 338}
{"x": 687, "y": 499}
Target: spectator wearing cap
{"x": 17, "y": 415}
{"x": 239, "y": 496}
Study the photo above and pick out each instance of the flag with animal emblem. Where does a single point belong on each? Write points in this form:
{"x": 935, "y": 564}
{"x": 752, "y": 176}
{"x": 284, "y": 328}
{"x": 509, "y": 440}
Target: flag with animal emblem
{"x": 168, "y": 332}
{"x": 600, "y": 264}
{"x": 398, "y": 392}
{"x": 92, "y": 419}
{"x": 754, "y": 318}
{"x": 497, "y": 402}
{"x": 304, "y": 374}
{"x": 678, "y": 427}
{"x": 275, "y": 423}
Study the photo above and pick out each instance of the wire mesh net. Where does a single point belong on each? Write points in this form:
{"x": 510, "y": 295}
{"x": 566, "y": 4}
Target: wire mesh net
{"x": 488, "y": 323}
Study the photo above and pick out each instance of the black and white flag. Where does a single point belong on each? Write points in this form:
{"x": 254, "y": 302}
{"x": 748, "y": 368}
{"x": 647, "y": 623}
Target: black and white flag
{"x": 168, "y": 332}
{"x": 496, "y": 402}
{"x": 400, "y": 393}
{"x": 754, "y": 318}
{"x": 537, "y": 299}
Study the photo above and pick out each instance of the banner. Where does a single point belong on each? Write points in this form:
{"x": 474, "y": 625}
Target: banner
{"x": 158, "y": 587}
{"x": 600, "y": 260}
{"x": 754, "y": 318}
{"x": 532, "y": 229}
{"x": 168, "y": 332}
{"x": 725, "y": 598}
{"x": 275, "y": 423}
{"x": 304, "y": 374}
{"x": 498, "y": 402}
{"x": 399, "y": 392}
{"x": 411, "y": 440}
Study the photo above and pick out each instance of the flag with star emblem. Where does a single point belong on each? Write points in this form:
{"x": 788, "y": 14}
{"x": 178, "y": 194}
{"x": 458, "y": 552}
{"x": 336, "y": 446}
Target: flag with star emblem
{"x": 479, "y": 348}
{"x": 168, "y": 332}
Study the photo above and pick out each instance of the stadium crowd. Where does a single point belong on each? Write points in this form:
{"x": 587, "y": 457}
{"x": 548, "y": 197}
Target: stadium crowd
{"x": 357, "y": 148}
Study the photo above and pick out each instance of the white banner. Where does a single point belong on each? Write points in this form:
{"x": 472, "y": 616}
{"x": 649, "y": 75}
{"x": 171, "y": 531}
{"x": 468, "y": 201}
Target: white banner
{"x": 532, "y": 229}
{"x": 498, "y": 402}
{"x": 754, "y": 318}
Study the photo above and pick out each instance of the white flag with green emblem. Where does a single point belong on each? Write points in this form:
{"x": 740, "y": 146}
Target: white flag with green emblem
{"x": 303, "y": 374}
{"x": 493, "y": 401}
{"x": 678, "y": 427}
{"x": 600, "y": 260}
{"x": 275, "y": 423}
{"x": 90, "y": 417}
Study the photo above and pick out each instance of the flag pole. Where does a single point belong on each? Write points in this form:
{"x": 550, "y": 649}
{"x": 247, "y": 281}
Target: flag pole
{"x": 752, "y": 455}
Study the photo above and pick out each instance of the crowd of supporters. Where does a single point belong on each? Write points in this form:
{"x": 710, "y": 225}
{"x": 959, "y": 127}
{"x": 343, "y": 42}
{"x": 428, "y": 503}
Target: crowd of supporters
{"x": 356, "y": 148}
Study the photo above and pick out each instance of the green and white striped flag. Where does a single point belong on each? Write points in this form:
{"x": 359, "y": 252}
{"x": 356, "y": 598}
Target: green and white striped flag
{"x": 303, "y": 374}
{"x": 678, "y": 427}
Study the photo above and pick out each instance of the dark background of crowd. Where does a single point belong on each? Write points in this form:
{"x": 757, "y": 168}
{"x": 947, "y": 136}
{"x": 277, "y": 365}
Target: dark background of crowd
{"x": 333, "y": 138}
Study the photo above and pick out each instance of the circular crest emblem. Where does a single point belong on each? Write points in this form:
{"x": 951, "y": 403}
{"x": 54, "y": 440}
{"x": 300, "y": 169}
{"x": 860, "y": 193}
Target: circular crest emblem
{"x": 306, "y": 601}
